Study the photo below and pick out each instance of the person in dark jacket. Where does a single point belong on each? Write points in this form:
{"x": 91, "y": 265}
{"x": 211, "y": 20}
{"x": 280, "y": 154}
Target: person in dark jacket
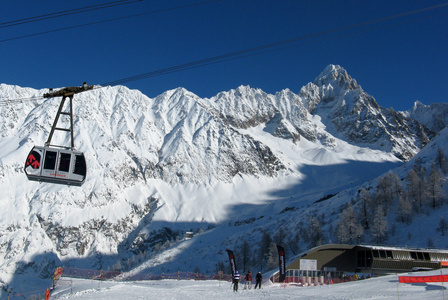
{"x": 258, "y": 279}
{"x": 236, "y": 279}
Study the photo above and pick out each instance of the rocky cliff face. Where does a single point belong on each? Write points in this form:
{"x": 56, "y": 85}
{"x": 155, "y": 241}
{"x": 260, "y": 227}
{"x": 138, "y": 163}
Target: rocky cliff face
{"x": 352, "y": 114}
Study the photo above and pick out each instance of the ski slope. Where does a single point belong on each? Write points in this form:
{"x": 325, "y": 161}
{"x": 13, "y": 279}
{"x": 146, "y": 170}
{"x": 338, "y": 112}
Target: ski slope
{"x": 386, "y": 287}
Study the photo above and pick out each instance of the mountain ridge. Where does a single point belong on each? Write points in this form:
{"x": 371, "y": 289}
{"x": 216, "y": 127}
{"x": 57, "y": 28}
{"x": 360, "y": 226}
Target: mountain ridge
{"x": 184, "y": 162}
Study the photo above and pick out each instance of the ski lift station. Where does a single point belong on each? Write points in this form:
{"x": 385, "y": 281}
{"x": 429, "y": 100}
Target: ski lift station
{"x": 338, "y": 259}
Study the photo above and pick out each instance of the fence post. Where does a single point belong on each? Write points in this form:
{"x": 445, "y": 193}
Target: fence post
{"x": 178, "y": 275}
{"x": 443, "y": 288}
{"x": 101, "y": 278}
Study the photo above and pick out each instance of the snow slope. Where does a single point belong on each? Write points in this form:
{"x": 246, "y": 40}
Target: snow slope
{"x": 227, "y": 168}
{"x": 386, "y": 287}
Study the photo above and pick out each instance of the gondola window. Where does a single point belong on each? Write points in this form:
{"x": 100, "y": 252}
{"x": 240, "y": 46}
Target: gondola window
{"x": 64, "y": 165}
{"x": 50, "y": 160}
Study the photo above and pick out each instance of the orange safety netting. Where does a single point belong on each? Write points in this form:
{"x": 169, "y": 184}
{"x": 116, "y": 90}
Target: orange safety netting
{"x": 423, "y": 279}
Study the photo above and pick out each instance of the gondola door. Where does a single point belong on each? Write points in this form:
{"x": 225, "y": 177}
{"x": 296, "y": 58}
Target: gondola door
{"x": 63, "y": 165}
{"x": 79, "y": 169}
{"x": 50, "y": 162}
{"x": 57, "y": 165}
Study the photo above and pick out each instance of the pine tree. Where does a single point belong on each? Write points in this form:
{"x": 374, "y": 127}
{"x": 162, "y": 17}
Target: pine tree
{"x": 435, "y": 181}
{"x": 443, "y": 226}
{"x": 366, "y": 207}
{"x": 389, "y": 188}
{"x": 279, "y": 238}
{"x": 415, "y": 188}
{"x": 316, "y": 235}
{"x": 404, "y": 210}
{"x": 379, "y": 227}
{"x": 272, "y": 256}
{"x": 441, "y": 161}
{"x": 396, "y": 186}
{"x": 349, "y": 228}
{"x": 245, "y": 254}
{"x": 293, "y": 243}
{"x": 265, "y": 243}
{"x": 117, "y": 266}
{"x": 383, "y": 194}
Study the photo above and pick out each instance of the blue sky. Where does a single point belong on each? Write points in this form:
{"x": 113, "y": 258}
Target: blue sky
{"x": 397, "y": 61}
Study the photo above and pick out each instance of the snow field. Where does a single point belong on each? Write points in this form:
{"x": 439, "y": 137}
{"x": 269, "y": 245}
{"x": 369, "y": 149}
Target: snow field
{"x": 386, "y": 287}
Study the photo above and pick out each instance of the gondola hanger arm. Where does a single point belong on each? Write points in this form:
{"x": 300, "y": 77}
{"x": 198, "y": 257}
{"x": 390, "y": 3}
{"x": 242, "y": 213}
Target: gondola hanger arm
{"x": 68, "y": 91}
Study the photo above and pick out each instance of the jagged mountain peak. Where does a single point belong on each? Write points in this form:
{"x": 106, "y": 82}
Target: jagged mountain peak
{"x": 336, "y": 90}
{"x": 336, "y": 76}
{"x": 242, "y": 98}
{"x": 434, "y": 116}
{"x": 177, "y": 93}
{"x": 418, "y": 105}
{"x": 244, "y": 106}
{"x": 244, "y": 90}
{"x": 352, "y": 114}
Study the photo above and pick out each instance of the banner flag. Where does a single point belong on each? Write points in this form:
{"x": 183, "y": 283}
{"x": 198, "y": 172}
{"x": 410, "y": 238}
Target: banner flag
{"x": 57, "y": 273}
{"x": 232, "y": 261}
{"x": 423, "y": 279}
{"x": 281, "y": 263}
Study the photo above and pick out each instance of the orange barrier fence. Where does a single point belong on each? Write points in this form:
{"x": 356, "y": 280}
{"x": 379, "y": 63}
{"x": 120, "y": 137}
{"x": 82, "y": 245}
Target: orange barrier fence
{"x": 36, "y": 294}
{"x": 116, "y": 275}
{"x": 423, "y": 279}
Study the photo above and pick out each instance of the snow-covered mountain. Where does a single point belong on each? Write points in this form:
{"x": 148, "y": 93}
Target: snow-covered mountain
{"x": 432, "y": 116}
{"x": 175, "y": 163}
{"x": 352, "y": 114}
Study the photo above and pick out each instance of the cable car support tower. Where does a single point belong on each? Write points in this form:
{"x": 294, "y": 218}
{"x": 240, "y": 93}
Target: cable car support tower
{"x": 55, "y": 163}
{"x": 65, "y": 93}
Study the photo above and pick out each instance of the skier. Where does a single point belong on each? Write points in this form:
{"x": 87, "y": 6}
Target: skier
{"x": 248, "y": 282}
{"x": 236, "y": 279}
{"x": 258, "y": 279}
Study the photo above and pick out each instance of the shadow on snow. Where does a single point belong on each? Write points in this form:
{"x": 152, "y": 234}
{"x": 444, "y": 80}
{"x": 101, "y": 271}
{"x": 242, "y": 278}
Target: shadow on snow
{"x": 313, "y": 185}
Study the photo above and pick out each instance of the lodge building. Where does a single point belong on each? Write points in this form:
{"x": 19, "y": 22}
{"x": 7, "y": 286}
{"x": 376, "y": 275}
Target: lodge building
{"x": 374, "y": 260}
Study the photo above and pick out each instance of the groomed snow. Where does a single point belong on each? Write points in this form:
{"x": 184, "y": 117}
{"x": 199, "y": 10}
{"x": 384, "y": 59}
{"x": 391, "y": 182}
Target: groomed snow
{"x": 386, "y": 287}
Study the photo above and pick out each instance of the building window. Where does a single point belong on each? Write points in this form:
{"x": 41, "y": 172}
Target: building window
{"x": 364, "y": 259}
